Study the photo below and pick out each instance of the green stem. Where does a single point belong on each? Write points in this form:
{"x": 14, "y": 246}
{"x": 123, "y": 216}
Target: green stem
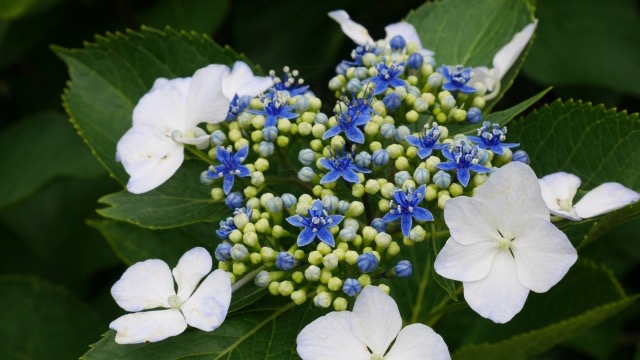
{"x": 199, "y": 154}
{"x": 245, "y": 279}
{"x": 437, "y": 311}
{"x": 424, "y": 281}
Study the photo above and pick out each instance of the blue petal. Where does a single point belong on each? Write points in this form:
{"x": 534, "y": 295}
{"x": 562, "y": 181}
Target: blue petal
{"x": 444, "y": 70}
{"x": 350, "y": 176}
{"x": 497, "y": 149}
{"x": 422, "y": 214}
{"x": 423, "y": 152}
{"x": 419, "y": 194}
{"x": 448, "y": 166}
{"x": 296, "y": 220}
{"x": 333, "y": 220}
{"x": 355, "y": 134}
{"x": 509, "y": 145}
{"x": 449, "y": 87}
{"x": 397, "y": 82}
{"x": 228, "y": 183}
{"x": 405, "y": 224}
{"x": 241, "y": 155}
{"x": 361, "y": 119}
{"x": 306, "y": 237}
{"x": 360, "y": 169}
{"x": 325, "y": 236}
{"x": 480, "y": 168}
{"x": 331, "y": 176}
{"x": 391, "y": 217}
{"x": 399, "y": 197}
{"x": 222, "y": 155}
{"x": 332, "y": 132}
{"x": 463, "y": 176}
{"x": 327, "y": 164}
{"x": 271, "y": 120}
{"x": 467, "y": 89}
{"x": 476, "y": 139}
{"x": 447, "y": 153}
{"x": 317, "y": 205}
{"x": 413, "y": 140}
{"x": 243, "y": 171}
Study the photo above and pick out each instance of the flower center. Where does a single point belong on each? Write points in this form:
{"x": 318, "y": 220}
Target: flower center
{"x": 504, "y": 244}
{"x": 565, "y": 204}
{"x": 377, "y": 357}
{"x": 174, "y": 301}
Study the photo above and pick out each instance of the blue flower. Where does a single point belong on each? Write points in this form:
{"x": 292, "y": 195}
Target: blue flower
{"x": 290, "y": 82}
{"x": 457, "y": 79}
{"x": 230, "y": 166}
{"x": 316, "y": 224}
{"x": 275, "y": 106}
{"x": 233, "y": 200}
{"x": 404, "y": 206}
{"x": 491, "y": 138}
{"x": 237, "y": 105}
{"x": 367, "y": 263}
{"x": 341, "y": 166}
{"x": 427, "y": 141}
{"x": 223, "y": 251}
{"x": 227, "y": 225}
{"x": 349, "y": 116}
{"x": 404, "y": 269}
{"x": 463, "y": 158}
{"x": 357, "y": 54}
{"x": 388, "y": 75}
{"x": 285, "y": 261}
{"x": 351, "y": 287}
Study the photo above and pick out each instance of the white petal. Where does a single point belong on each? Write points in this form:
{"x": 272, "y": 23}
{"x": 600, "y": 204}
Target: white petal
{"x": 330, "y": 337}
{"x": 604, "y": 198}
{"x": 418, "y": 341}
{"x": 513, "y": 193}
{"x": 205, "y": 100}
{"x": 375, "y": 319}
{"x": 353, "y": 30}
{"x": 144, "y": 285}
{"x": 408, "y": 32}
{"x": 499, "y": 296}
{"x": 241, "y": 81}
{"x": 149, "y": 156}
{"x": 465, "y": 262}
{"x": 471, "y": 221}
{"x": 207, "y": 308}
{"x": 504, "y": 59}
{"x": 543, "y": 255}
{"x": 164, "y": 105}
{"x": 200, "y": 139}
{"x": 148, "y": 326}
{"x": 483, "y": 75}
{"x": 192, "y": 267}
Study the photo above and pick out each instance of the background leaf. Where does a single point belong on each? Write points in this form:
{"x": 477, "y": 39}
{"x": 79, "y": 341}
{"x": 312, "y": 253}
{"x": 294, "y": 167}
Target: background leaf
{"x": 201, "y": 16}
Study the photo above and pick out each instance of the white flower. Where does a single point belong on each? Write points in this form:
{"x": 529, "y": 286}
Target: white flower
{"x": 240, "y": 81}
{"x": 559, "y": 189}
{"x": 503, "y": 60}
{"x": 360, "y": 35}
{"x": 372, "y": 326}
{"x": 164, "y": 120}
{"x": 502, "y": 244}
{"x": 149, "y": 285}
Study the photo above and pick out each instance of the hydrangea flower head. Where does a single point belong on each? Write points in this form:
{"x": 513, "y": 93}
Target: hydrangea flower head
{"x": 317, "y": 224}
{"x": 404, "y": 206}
{"x": 503, "y": 245}
{"x": 427, "y": 141}
{"x": 164, "y": 120}
{"x": 367, "y": 332}
{"x": 349, "y": 116}
{"x": 457, "y": 79}
{"x": 464, "y": 159}
{"x": 341, "y": 166}
{"x": 558, "y": 190}
{"x": 491, "y": 137}
{"x": 230, "y": 166}
{"x": 239, "y": 86}
{"x": 149, "y": 284}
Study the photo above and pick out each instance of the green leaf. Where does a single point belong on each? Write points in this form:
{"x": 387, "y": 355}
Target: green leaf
{"x": 182, "y": 200}
{"x": 108, "y": 78}
{"x": 596, "y": 144}
{"x": 470, "y": 33}
{"x": 202, "y": 16}
{"x": 25, "y": 168}
{"x": 587, "y": 295}
{"x": 43, "y": 321}
{"x": 132, "y": 243}
{"x": 14, "y": 9}
{"x": 267, "y": 331}
{"x": 602, "y": 37}
{"x": 610, "y": 221}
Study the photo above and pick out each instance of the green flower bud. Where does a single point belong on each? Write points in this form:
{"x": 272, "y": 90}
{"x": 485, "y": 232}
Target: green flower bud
{"x": 383, "y": 240}
{"x": 240, "y": 220}
{"x": 402, "y": 163}
{"x": 455, "y": 189}
{"x": 257, "y": 179}
{"x": 297, "y": 277}
{"x": 442, "y": 200}
{"x": 431, "y": 193}
{"x": 351, "y": 257}
{"x": 312, "y": 273}
{"x": 323, "y": 248}
{"x": 364, "y": 280}
{"x": 250, "y": 191}
{"x": 384, "y": 288}
{"x": 357, "y": 190}
{"x": 421, "y": 105}
{"x": 418, "y": 233}
{"x": 217, "y": 194}
{"x": 232, "y": 277}
{"x": 384, "y": 205}
{"x": 356, "y": 208}
{"x": 299, "y": 255}
{"x": 479, "y": 102}
{"x": 340, "y": 304}
{"x": 268, "y": 254}
{"x": 304, "y": 128}
{"x": 249, "y": 227}
{"x": 459, "y": 115}
{"x": 282, "y": 141}
{"x": 261, "y": 165}
{"x": 375, "y": 145}
{"x": 330, "y": 261}
{"x": 479, "y": 179}
{"x": 337, "y": 83}
{"x": 395, "y": 151}
{"x": 263, "y": 278}
{"x": 369, "y": 234}
{"x": 224, "y": 265}
{"x": 315, "y": 258}
{"x": 239, "y": 252}
{"x": 387, "y": 190}
{"x": 255, "y": 258}
{"x": 285, "y": 288}
{"x": 334, "y": 284}
{"x": 273, "y": 288}
{"x": 323, "y": 300}
{"x": 318, "y": 130}
{"x": 372, "y": 187}
{"x": 393, "y": 249}
{"x": 250, "y": 239}
{"x": 239, "y": 268}
{"x": 299, "y": 296}
{"x": 347, "y": 234}
{"x": 263, "y": 227}
{"x": 412, "y": 116}
{"x": 325, "y": 275}
{"x": 235, "y": 236}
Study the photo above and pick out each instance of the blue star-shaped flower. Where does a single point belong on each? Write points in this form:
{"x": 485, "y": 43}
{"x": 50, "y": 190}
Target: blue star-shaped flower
{"x": 358, "y": 112}
{"x": 388, "y": 75}
{"x": 227, "y": 225}
{"x": 275, "y": 106}
{"x": 316, "y": 224}
{"x": 457, "y": 79}
{"x": 491, "y": 138}
{"x": 290, "y": 82}
{"x": 237, "y": 105}
{"x": 427, "y": 141}
{"x": 341, "y": 166}
{"x": 463, "y": 158}
{"x": 404, "y": 206}
{"x": 230, "y": 166}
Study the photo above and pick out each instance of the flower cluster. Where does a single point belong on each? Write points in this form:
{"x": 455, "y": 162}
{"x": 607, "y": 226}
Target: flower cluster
{"x": 322, "y": 205}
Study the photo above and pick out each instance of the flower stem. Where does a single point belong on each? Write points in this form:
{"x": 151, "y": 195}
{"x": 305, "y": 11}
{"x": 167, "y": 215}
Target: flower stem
{"x": 424, "y": 281}
{"x": 245, "y": 279}
{"x": 199, "y": 154}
